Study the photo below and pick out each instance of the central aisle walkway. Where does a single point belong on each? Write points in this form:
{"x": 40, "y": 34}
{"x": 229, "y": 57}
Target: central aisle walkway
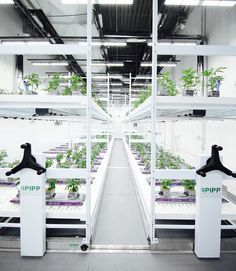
{"x": 119, "y": 220}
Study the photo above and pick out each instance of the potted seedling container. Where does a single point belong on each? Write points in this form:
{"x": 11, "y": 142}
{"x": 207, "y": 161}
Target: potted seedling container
{"x": 189, "y": 82}
{"x": 165, "y": 188}
{"x": 50, "y": 188}
{"x": 214, "y": 78}
{"x": 73, "y": 188}
{"x": 189, "y": 187}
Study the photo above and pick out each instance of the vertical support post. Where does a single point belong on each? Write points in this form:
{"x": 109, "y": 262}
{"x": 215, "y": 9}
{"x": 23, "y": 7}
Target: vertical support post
{"x": 89, "y": 102}
{"x": 130, "y": 89}
{"x": 208, "y": 213}
{"x": 32, "y": 210}
{"x": 108, "y": 107}
{"x": 153, "y": 121}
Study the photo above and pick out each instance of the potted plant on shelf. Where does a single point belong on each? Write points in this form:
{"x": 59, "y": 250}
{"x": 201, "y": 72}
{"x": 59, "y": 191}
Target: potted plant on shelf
{"x": 165, "y": 188}
{"x": 73, "y": 188}
{"x": 49, "y": 162}
{"x": 189, "y": 82}
{"x": 32, "y": 82}
{"x": 59, "y": 158}
{"x": 167, "y": 86}
{"x": 50, "y": 188}
{"x": 53, "y": 84}
{"x": 214, "y": 78}
{"x": 189, "y": 187}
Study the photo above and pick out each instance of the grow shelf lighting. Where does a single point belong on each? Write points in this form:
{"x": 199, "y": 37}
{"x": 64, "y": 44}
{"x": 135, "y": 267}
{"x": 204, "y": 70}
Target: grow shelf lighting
{"x": 159, "y": 64}
{"x": 49, "y": 63}
{"x": 3, "y": 2}
{"x": 174, "y": 43}
{"x": 215, "y": 3}
{"x": 99, "y": 2}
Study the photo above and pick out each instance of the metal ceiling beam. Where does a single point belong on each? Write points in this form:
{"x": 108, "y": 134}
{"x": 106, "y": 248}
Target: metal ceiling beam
{"x": 47, "y": 30}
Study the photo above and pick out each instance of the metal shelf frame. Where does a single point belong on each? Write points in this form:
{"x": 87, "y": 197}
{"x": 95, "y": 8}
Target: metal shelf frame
{"x": 155, "y": 108}
{"x": 78, "y": 105}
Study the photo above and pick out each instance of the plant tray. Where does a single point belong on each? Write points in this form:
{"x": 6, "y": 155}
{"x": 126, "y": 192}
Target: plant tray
{"x": 141, "y": 164}
{"x": 175, "y": 197}
{"x": 59, "y": 200}
{"x": 65, "y": 181}
{"x": 173, "y": 183}
{"x": 7, "y": 183}
{"x": 146, "y": 171}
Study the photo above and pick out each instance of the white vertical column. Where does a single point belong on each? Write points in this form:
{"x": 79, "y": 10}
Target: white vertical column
{"x": 32, "y": 211}
{"x": 108, "y": 106}
{"x": 130, "y": 89}
{"x": 153, "y": 121}
{"x": 88, "y": 142}
{"x": 208, "y": 213}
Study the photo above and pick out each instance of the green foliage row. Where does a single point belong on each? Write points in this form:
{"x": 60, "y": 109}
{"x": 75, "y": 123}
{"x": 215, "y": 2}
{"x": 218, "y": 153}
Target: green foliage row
{"x": 190, "y": 80}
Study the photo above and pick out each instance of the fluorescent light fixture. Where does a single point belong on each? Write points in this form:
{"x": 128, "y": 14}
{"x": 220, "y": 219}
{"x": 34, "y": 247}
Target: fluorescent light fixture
{"x": 143, "y": 77}
{"x": 99, "y": 2}
{"x": 102, "y": 84}
{"x": 105, "y": 76}
{"x": 140, "y": 84}
{"x": 112, "y": 84}
{"x": 118, "y": 44}
{"x": 218, "y": 3}
{"x": 159, "y": 64}
{"x": 108, "y": 43}
{"x": 13, "y": 42}
{"x": 49, "y": 63}
{"x": 182, "y": 2}
{"x": 3, "y": 2}
{"x": 34, "y": 42}
{"x": 59, "y": 64}
{"x": 40, "y": 64}
{"x": 136, "y": 40}
{"x": 173, "y": 43}
{"x": 115, "y": 64}
{"x": 116, "y": 84}
{"x": 108, "y": 64}
{"x": 215, "y": 3}
{"x": 64, "y": 84}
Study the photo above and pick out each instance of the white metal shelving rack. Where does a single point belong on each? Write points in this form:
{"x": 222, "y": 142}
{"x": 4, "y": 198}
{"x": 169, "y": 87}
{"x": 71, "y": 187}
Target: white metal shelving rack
{"x": 73, "y": 105}
{"x": 161, "y": 108}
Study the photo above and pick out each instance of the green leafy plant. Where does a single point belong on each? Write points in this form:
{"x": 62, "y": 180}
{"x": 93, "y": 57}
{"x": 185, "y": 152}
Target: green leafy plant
{"x": 33, "y": 80}
{"x": 51, "y": 185}
{"x": 144, "y": 94}
{"x": 73, "y": 185}
{"x": 49, "y": 163}
{"x": 190, "y": 79}
{"x": 67, "y": 91}
{"x": 189, "y": 184}
{"x": 166, "y": 84}
{"x": 214, "y": 76}
{"x": 3, "y": 155}
{"x": 54, "y": 83}
{"x": 165, "y": 184}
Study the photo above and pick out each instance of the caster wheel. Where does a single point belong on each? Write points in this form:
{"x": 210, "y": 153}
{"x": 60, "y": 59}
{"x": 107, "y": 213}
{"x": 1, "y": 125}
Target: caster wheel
{"x": 84, "y": 247}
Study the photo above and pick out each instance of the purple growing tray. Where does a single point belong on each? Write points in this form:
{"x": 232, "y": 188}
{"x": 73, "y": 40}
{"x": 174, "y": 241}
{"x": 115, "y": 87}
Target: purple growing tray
{"x": 6, "y": 183}
{"x": 145, "y": 171}
{"x": 175, "y": 197}
{"x": 59, "y": 200}
{"x": 64, "y": 181}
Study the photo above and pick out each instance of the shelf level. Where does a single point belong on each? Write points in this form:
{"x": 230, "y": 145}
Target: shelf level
{"x": 182, "y": 106}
